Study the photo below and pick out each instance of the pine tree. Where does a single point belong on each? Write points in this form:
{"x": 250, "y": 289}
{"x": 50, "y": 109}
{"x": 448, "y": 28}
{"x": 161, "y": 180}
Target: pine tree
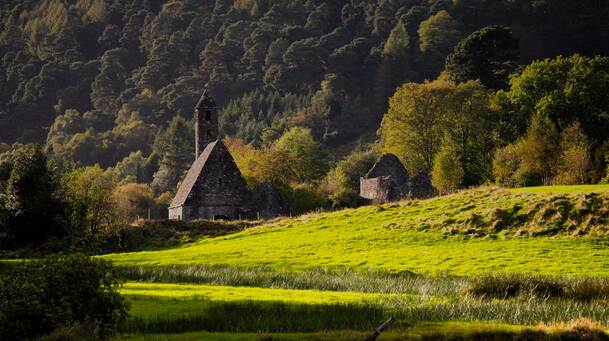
{"x": 176, "y": 155}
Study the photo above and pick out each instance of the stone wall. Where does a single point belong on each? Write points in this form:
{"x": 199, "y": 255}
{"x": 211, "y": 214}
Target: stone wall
{"x": 376, "y": 189}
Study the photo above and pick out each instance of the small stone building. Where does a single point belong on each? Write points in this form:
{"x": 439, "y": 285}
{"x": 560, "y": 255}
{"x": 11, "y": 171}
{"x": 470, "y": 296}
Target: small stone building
{"x": 388, "y": 180}
{"x": 214, "y": 188}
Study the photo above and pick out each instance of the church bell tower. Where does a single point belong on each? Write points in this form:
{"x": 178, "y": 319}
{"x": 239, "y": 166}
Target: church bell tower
{"x": 206, "y": 129}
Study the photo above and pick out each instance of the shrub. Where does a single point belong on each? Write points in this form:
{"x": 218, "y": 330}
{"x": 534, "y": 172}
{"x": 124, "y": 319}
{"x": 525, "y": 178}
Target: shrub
{"x": 342, "y": 182}
{"x": 306, "y": 198}
{"x": 38, "y": 297}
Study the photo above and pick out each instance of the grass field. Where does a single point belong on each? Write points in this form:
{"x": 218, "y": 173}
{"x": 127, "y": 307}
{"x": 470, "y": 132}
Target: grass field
{"x": 350, "y": 270}
{"x": 456, "y": 234}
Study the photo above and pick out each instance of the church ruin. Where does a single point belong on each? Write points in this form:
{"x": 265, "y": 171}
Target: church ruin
{"x": 388, "y": 180}
{"x": 214, "y": 188}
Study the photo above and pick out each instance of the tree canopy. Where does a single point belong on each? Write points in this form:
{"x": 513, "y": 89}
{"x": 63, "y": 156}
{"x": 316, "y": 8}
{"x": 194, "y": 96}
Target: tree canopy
{"x": 489, "y": 55}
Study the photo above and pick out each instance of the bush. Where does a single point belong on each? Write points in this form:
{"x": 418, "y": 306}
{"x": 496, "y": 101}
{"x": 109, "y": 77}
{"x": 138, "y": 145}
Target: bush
{"x": 306, "y": 198}
{"x": 38, "y": 297}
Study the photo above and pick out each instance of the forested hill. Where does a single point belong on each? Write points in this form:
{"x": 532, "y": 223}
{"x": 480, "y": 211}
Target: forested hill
{"x": 100, "y": 79}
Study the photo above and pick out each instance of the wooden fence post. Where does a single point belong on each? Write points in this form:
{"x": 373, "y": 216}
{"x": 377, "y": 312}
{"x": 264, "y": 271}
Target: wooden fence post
{"x": 380, "y": 329}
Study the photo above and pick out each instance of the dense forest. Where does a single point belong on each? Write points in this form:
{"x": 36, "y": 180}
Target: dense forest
{"x": 98, "y": 79}
{"x": 111, "y": 85}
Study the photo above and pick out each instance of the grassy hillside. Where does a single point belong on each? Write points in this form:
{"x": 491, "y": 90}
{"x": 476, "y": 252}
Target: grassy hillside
{"x": 338, "y": 275}
{"x": 561, "y": 189}
{"x": 471, "y": 232}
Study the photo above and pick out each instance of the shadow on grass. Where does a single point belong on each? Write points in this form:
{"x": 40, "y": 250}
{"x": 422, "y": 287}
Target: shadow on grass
{"x": 274, "y": 317}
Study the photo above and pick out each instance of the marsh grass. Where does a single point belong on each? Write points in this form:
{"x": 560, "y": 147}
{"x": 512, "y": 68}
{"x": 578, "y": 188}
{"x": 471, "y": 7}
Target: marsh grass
{"x": 539, "y": 287}
{"x": 319, "y": 278}
{"x": 528, "y": 335}
{"x": 511, "y": 299}
{"x": 491, "y": 286}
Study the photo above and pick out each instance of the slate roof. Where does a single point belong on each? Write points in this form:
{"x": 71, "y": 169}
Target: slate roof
{"x": 192, "y": 175}
{"x": 387, "y": 162}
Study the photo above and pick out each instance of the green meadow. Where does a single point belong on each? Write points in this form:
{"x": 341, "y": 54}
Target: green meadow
{"x": 458, "y": 235}
{"x": 423, "y": 262}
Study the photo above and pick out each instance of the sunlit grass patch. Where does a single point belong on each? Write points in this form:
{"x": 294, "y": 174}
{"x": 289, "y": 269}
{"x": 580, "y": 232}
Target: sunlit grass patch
{"x": 418, "y": 252}
{"x": 561, "y": 189}
{"x": 230, "y": 293}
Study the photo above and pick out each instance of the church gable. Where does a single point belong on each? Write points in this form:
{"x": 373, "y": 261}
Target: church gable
{"x": 191, "y": 177}
{"x": 213, "y": 182}
{"x": 219, "y": 182}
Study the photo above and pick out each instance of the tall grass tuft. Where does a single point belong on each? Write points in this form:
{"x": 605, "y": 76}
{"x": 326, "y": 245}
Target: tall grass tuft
{"x": 319, "y": 279}
{"x": 509, "y": 286}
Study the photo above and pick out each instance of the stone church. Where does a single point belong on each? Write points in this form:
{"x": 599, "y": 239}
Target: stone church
{"x": 388, "y": 180}
{"x": 214, "y": 188}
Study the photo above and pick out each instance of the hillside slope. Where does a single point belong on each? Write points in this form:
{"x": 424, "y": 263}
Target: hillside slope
{"x": 471, "y": 232}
